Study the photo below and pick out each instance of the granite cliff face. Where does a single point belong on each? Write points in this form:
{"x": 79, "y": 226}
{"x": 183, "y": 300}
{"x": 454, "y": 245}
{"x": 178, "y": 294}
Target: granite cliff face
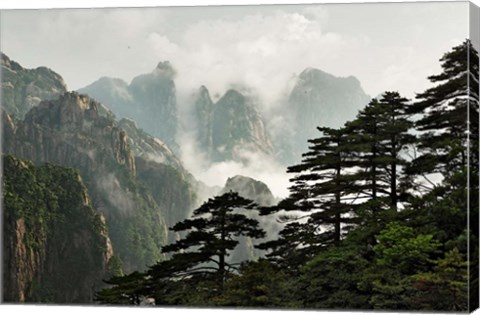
{"x": 259, "y": 192}
{"x": 56, "y": 247}
{"x": 73, "y": 132}
{"x": 230, "y": 127}
{"x": 250, "y": 188}
{"x": 23, "y": 89}
{"x": 204, "y": 112}
{"x": 150, "y": 100}
{"x": 317, "y": 99}
{"x": 171, "y": 185}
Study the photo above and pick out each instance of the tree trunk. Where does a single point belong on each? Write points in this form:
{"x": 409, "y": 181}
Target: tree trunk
{"x": 393, "y": 181}
{"x": 338, "y": 216}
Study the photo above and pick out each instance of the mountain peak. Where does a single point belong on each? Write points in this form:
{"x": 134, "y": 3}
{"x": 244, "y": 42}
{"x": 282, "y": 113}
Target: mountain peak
{"x": 250, "y": 188}
{"x": 203, "y": 90}
{"x": 233, "y": 94}
{"x": 314, "y": 73}
{"x": 69, "y": 111}
{"x": 165, "y": 68}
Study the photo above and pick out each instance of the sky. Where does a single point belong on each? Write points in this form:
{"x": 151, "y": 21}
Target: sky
{"x": 387, "y": 46}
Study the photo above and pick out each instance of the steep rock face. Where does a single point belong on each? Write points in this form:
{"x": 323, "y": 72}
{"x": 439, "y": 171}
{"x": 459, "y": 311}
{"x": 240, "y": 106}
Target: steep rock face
{"x": 148, "y": 147}
{"x": 172, "y": 187}
{"x": 237, "y": 126}
{"x": 56, "y": 247}
{"x": 250, "y": 188}
{"x": 112, "y": 92}
{"x": 60, "y": 128}
{"x": 259, "y": 192}
{"x": 204, "y": 111}
{"x": 72, "y": 132}
{"x": 318, "y": 99}
{"x": 150, "y": 100}
{"x": 23, "y": 88}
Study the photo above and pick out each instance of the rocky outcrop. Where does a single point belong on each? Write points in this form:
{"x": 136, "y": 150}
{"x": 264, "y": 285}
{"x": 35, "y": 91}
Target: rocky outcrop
{"x": 23, "y": 89}
{"x": 231, "y": 128}
{"x": 73, "y": 132}
{"x": 317, "y": 99}
{"x": 204, "y": 113}
{"x": 150, "y": 100}
{"x": 259, "y": 192}
{"x": 147, "y": 147}
{"x": 56, "y": 247}
{"x": 250, "y": 188}
{"x": 170, "y": 184}
{"x": 70, "y": 131}
{"x": 238, "y": 126}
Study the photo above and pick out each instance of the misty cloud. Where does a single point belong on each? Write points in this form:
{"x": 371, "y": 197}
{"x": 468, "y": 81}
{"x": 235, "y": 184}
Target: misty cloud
{"x": 253, "y": 164}
{"x": 116, "y": 194}
{"x": 258, "y": 46}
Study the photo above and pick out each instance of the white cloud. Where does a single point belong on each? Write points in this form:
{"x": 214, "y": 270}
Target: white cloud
{"x": 255, "y": 165}
{"x": 261, "y": 47}
{"x": 258, "y": 50}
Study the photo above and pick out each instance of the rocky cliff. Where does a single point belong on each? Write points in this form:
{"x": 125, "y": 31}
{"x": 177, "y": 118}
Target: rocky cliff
{"x": 171, "y": 185}
{"x": 203, "y": 113}
{"x": 23, "y": 88}
{"x": 55, "y": 245}
{"x": 73, "y": 132}
{"x": 231, "y": 127}
{"x": 317, "y": 99}
{"x": 259, "y": 192}
{"x": 250, "y": 188}
{"x": 150, "y": 100}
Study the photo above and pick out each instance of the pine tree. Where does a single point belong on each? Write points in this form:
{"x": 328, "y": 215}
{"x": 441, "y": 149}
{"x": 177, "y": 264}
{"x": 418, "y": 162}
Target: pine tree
{"x": 379, "y": 136}
{"x": 321, "y": 187}
{"x": 126, "y": 289}
{"x": 319, "y": 191}
{"x": 395, "y": 125}
{"x": 377, "y": 140}
{"x": 211, "y": 236}
{"x": 449, "y": 120}
{"x": 449, "y": 112}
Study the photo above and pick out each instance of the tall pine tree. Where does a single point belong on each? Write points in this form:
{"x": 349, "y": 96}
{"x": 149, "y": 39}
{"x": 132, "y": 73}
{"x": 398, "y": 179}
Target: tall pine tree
{"x": 212, "y": 234}
{"x": 449, "y": 112}
{"x": 321, "y": 192}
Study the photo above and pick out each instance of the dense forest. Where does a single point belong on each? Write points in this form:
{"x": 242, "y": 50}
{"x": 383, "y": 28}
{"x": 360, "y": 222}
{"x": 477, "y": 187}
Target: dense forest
{"x": 382, "y": 214}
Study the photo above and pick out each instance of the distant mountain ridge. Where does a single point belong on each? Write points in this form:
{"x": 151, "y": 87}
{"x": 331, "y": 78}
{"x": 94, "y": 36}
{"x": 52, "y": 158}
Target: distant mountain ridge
{"x": 23, "y": 89}
{"x": 234, "y": 128}
{"x": 250, "y": 188}
{"x": 150, "y": 100}
{"x": 317, "y": 99}
{"x": 231, "y": 126}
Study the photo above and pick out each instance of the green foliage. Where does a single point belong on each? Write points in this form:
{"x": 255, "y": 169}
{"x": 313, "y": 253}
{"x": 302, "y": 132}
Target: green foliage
{"x": 114, "y": 267}
{"x": 47, "y": 210}
{"x": 331, "y": 280}
{"x": 259, "y": 284}
{"x": 399, "y": 247}
{"x": 212, "y": 234}
{"x": 127, "y": 290}
{"x": 446, "y": 287}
